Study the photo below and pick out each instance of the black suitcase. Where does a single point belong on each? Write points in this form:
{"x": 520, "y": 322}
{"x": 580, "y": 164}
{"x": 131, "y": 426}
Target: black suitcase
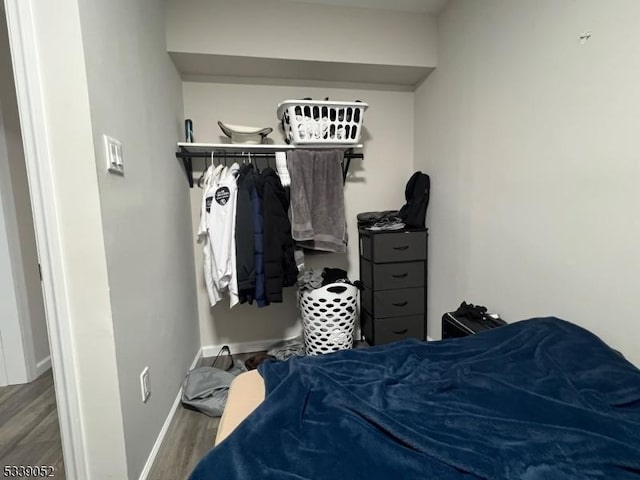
{"x": 454, "y": 326}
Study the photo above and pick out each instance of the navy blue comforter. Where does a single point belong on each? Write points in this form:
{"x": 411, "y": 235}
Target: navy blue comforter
{"x": 537, "y": 399}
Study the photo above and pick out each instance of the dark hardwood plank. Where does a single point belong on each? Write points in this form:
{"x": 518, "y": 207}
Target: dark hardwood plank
{"x": 190, "y": 436}
{"x": 13, "y": 402}
{"x": 33, "y": 412}
{"x": 47, "y": 430}
{"x": 29, "y": 429}
{"x": 37, "y": 454}
{"x": 6, "y": 392}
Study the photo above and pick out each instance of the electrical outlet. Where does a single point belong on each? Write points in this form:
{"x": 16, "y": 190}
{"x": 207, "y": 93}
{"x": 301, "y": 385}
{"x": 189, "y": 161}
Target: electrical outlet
{"x": 145, "y": 385}
{"x": 113, "y": 154}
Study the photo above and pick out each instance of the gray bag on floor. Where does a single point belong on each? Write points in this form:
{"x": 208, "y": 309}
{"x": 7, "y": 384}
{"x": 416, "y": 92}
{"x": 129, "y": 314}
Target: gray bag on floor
{"x": 206, "y": 388}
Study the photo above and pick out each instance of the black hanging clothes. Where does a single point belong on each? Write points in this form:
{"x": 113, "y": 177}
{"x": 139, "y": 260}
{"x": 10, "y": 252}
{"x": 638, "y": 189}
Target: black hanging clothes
{"x": 258, "y": 237}
{"x": 245, "y": 240}
{"x": 279, "y": 265}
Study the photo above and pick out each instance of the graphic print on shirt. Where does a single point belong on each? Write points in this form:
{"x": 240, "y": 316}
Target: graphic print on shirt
{"x": 222, "y": 195}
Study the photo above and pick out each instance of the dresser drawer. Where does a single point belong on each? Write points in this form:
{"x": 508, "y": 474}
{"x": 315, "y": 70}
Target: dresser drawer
{"x": 393, "y": 303}
{"x": 398, "y": 328}
{"x": 387, "y": 276}
{"x": 386, "y": 330}
{"x": 394, "y": 247}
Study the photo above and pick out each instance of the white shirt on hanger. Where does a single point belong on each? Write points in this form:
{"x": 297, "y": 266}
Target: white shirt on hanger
{"x": 210, "y": 270}
{"x": 221, "y": 225}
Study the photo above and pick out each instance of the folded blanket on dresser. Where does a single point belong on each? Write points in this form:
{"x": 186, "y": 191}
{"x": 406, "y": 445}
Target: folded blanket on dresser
{"x": 537, "y": 399}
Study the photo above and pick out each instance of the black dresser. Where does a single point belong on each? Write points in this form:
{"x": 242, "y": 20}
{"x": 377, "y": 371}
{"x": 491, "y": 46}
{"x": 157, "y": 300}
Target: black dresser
{"x": 393, "y": 269}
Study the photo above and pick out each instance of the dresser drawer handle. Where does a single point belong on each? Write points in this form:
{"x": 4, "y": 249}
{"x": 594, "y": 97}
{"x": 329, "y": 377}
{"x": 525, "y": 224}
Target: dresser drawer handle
{"x": 403, "y": 247}
{"x": 401, "y": 332}
{"x": 400, "y": 304}
{"x": 400, "y": 275}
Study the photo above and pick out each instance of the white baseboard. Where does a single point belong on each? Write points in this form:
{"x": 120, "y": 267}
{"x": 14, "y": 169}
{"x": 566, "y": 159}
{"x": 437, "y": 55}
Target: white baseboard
{"x": 429, "y": 339}
{"x": 240, "y": 347}
{"x": 165, "y": 427}
{"x": 43, "y": 365}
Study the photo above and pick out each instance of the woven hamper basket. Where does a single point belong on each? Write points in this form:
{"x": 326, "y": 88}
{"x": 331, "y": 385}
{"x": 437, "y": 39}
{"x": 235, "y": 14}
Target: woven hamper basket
{"x": 328, "y": 317}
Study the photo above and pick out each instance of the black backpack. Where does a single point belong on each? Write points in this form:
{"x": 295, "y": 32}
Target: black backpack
{"x": 414, "y": 212}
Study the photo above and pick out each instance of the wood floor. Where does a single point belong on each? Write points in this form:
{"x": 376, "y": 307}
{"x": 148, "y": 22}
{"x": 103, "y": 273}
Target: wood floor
{"x": 190, "y": 436}
{"x": 29, "y": 430}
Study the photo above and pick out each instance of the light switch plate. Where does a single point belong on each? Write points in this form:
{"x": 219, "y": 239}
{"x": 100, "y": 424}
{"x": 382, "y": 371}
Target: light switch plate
{"x": 113, "y": 154}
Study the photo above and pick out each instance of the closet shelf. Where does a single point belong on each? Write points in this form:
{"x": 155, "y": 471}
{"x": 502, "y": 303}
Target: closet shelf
{"x": 188, "y": 151}
{"x": 250, "y": 147}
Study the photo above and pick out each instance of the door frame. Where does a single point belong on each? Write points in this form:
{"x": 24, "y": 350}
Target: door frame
{"x": 39, "y": 163}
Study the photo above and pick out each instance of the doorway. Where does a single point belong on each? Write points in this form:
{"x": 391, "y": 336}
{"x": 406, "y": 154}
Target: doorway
{"x": 29, "y": 426}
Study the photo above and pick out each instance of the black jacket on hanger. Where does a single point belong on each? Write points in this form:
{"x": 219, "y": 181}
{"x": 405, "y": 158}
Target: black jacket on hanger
{"x": 258, "y": 244}
{"x": 245, "y": 255}
{"x": 279, "y": 264}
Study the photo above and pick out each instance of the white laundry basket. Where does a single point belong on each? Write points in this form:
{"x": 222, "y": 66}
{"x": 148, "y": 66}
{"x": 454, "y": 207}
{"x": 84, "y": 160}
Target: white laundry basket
{"x": 328, "y": 317}
{"x": 313, "y": 122}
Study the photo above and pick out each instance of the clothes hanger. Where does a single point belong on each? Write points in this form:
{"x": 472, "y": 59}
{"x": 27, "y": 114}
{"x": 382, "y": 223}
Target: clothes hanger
{"x": 281, "y": 168}
{"x": 249, "y": 158}
{"x": 256, "y": 165}
{"x": 201, "y": 180}
{"x": 218, "y": 168}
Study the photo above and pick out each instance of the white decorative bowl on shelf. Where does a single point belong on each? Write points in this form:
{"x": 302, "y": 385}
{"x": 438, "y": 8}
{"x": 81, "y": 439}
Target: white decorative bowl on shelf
{"x": 245, "y": 134}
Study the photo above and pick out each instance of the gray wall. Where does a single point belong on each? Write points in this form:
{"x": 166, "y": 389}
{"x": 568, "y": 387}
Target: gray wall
{"x": 135, "y": 96}
{"x": 531, "y": 140}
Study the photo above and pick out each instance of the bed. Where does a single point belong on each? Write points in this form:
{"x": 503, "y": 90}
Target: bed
{"x": 534, "y": 400}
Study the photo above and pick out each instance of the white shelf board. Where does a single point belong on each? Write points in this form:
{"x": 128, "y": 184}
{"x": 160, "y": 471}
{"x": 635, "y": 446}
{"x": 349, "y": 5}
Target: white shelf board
{"x": 245, "y": 147}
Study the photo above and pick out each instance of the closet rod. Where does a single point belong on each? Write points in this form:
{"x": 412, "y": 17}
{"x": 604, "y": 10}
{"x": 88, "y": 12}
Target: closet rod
{"x": 246, "y": 155}
{"x": 186, "y": 157}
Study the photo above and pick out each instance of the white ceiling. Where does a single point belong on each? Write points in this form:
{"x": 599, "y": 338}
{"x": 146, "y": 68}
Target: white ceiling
{"x": 432, "y": 7}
